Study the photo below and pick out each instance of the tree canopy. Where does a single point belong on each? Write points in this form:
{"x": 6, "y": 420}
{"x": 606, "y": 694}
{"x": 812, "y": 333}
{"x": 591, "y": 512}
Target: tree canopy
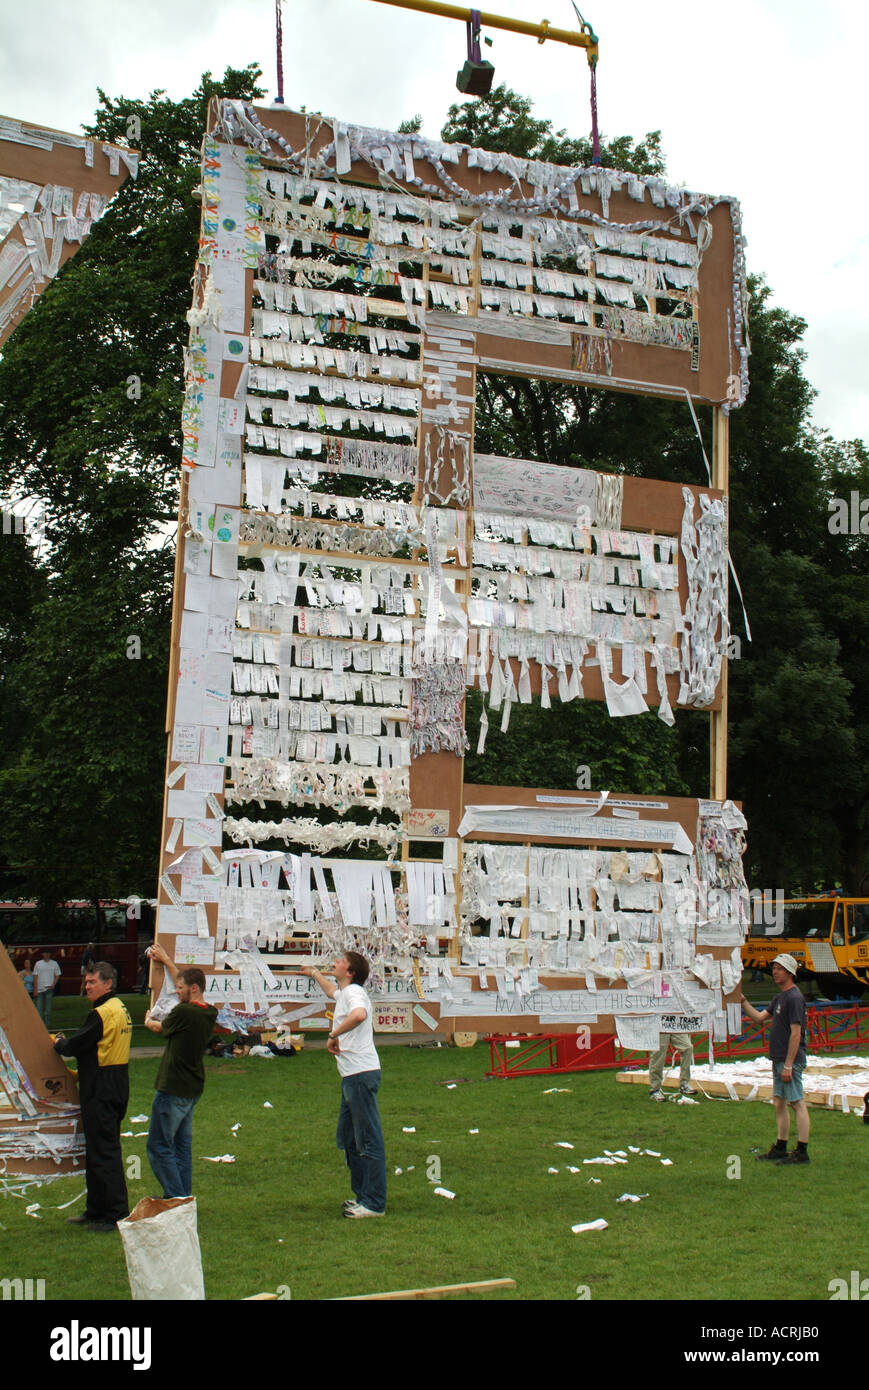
{"x": 91, "y": 390}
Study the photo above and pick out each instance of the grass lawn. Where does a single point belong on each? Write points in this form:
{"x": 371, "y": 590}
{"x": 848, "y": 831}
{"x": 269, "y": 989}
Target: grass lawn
{"x": 274, "y": 1216}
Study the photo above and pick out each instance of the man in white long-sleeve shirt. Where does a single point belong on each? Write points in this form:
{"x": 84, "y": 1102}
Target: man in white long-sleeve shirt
{"x": 351, "y": 1042}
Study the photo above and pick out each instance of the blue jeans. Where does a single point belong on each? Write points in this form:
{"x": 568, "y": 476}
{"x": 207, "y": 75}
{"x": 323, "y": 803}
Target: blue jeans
{"x": 360, "y": 1136}
{"x": 43, "y": 1004}
{"x": 170, "y": 1143}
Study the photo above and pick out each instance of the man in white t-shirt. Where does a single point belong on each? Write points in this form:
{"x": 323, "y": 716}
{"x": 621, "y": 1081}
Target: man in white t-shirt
{"x": 351, "y": 1042}
{"x": 45, "y": 977}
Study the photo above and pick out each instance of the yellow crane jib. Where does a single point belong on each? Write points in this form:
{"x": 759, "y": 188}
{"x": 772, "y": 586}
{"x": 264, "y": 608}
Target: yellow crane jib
{"x": 584, "y": 38}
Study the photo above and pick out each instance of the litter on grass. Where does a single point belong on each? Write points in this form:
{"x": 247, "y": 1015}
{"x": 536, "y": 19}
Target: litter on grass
{"x": 631, "y": 1197}
{"x": 444, "y": 1192}
{"x": 219, "y": 1158}
{"x": 139, "y": 1119}
{"x": 63, "y": 1206}
{"x": 599, "y": 1225}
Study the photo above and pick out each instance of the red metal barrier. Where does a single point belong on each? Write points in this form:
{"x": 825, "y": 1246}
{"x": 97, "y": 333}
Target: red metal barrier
{"x": 557, "y": 1054}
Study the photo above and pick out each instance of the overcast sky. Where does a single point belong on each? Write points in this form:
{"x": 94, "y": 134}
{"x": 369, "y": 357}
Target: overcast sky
{"x": 764, "y": 99}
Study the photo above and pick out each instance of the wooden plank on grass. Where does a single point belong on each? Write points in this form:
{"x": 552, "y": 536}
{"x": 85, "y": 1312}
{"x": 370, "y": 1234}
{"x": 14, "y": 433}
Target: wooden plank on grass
{"x": 437, "y": 1291}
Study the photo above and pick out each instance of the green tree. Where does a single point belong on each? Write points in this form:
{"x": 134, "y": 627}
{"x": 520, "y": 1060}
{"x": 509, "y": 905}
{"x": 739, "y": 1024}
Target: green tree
{"x": 502, "y": 121}
{"x": 90, "y": 408}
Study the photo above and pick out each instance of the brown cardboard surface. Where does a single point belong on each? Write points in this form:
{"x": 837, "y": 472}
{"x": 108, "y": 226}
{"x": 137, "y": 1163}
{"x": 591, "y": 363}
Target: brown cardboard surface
{"x": 62, "y": 165}
{"x": 48, "y": 1074}
{"x": 654, "y": 507}
{"x": 545, "y": 349}
{"x": 683, "y": 809}
{"x": 646, "y": 369}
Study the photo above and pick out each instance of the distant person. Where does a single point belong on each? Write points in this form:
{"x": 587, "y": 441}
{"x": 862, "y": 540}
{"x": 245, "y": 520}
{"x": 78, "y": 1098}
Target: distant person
{"x": 683, "y": 1045}
{"x": 180, "y": 1077}
{"x": 46, "y": 975}
{"x": 102, "y": 1046}
{"x": 787, "y": 1051}
{"x": 88, "y": 961}
{"x": 351, "y": 1042}
{"x": 25, "y": 975}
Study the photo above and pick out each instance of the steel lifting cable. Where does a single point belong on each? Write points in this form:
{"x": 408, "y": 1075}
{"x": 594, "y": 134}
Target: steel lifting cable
{"x": 279, "y": 43}
{"x": 592, "y": 63}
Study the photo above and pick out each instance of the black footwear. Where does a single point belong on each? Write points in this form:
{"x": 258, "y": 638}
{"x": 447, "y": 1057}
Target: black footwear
{"x": 78, "y": 1221}
{"x": 775, "y": 1154}
{"x": 795, "y": 1156}
{"x": 102, "y": 1225}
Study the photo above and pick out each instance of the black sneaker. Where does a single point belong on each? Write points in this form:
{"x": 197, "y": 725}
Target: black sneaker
{"x": 775, "y": 1155}
{"x": 795, "y": 1156}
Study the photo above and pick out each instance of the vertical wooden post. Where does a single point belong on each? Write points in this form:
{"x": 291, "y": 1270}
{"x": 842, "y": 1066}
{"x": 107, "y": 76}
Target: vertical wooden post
{"x": 718, "y": 718}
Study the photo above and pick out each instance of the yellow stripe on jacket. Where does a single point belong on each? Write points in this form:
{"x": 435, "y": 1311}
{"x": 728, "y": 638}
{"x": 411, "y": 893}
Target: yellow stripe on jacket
{"x": 113, "y": 1049}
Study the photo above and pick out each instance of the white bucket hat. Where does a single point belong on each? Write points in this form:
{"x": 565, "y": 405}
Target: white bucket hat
{"x": 788, "y": 963}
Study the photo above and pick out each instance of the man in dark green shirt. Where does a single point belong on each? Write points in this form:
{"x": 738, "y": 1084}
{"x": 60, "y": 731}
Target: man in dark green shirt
{"x": 180, "y": 1077}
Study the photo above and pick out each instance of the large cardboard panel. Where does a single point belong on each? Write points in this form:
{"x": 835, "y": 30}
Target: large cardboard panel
{"x": 49, "y": 1084}
{"x": 49, "y": 159}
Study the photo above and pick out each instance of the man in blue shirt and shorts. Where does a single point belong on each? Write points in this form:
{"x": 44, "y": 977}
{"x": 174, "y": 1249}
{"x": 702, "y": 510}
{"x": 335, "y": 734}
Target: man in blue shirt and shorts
{"x": 787, "y": 1051}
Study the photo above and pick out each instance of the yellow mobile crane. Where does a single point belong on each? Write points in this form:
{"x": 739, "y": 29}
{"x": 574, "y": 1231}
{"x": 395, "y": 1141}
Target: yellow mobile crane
{"x": 827, "y": 936}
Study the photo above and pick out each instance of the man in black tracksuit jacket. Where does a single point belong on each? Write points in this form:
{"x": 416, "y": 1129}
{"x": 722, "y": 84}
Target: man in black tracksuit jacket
{"x": 102, "y": 1046}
